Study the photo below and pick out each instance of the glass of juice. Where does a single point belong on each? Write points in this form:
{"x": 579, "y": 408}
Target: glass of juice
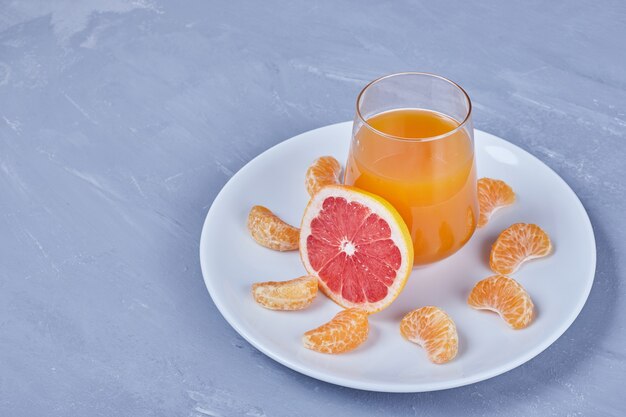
{"x": 413, "y": 144}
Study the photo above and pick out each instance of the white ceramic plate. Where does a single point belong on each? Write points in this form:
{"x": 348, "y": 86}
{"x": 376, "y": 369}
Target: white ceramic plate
{"x": 559, "y": 285}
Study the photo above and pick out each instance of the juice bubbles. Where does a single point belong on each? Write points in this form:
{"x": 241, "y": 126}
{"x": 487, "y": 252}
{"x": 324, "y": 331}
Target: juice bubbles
{"x": 422, "y": 162}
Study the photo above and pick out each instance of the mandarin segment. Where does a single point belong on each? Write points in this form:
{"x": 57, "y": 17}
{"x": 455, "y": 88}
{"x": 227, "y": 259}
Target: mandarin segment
{"x": 506, "y": 297}
{"x": 470, "y": 221}
{"x": 345, "y": 332}
{"x": 432, "y": 329}
{"x": 446, "y": 238}
{"x": 492, "y": 195}
{"x": 294, "y": 294}
{"x": 322, "y": 172}
{"x": 516, "y": 245}
{"x": 270, "y": 231}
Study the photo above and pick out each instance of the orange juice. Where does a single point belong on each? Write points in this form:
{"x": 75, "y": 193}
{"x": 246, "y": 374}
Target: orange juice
{"x": 431, "y": 181}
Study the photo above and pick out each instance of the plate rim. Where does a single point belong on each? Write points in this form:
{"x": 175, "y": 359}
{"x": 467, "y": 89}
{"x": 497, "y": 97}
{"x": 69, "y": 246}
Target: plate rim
{"x": 403, "y": 388}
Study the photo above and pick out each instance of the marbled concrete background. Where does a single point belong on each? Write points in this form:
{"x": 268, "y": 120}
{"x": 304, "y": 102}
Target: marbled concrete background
{"x": 120, "y": 120}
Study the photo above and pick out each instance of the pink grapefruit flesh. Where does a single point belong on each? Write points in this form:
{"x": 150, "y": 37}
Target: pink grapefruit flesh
{"x": 357, "y": 245}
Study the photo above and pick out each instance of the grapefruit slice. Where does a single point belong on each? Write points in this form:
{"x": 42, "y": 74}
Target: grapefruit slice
{"x": 357, "y": 245}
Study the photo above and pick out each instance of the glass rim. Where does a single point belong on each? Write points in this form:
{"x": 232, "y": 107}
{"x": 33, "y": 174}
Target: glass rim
{"x": 407, "y": 139}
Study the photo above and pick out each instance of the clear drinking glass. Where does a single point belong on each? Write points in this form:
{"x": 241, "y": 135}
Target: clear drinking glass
{"x": 413, "y": 144}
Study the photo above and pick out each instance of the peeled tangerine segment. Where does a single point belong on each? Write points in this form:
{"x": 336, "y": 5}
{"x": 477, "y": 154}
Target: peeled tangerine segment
{"x": 294, "y": 294}
{"x": 492, "y": 195}
{"x": 270, "y": 231}
{"x": 345, "y": 332}
{"x": 516, "y": 245}
{"x": 431, "y": 328}
{"x": 322, "y": 172}
{"x": 358, "y": 246}
{"x": 506, "y": 297}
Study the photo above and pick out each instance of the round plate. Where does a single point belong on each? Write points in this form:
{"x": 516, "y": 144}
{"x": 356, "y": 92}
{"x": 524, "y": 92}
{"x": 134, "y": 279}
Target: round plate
{"x": 559, "y": 284}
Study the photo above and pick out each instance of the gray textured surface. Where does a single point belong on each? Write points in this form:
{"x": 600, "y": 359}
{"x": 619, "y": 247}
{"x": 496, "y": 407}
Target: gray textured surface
{"x": 121, "y": 120}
